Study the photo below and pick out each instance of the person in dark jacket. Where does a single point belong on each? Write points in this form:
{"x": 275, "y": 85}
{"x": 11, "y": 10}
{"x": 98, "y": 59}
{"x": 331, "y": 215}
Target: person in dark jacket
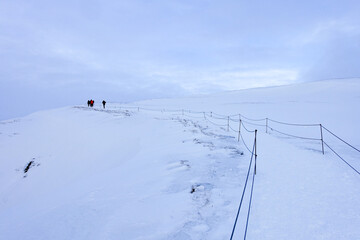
{"x": 88, "y": 103}
{"x": 103, "y": 102}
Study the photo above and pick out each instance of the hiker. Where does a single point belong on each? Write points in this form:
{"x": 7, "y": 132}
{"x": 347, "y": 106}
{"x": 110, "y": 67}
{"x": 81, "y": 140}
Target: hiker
{"x": 88, "y": 103}
{"x": 103, "y": 102}
{"x": 92, "y": 103}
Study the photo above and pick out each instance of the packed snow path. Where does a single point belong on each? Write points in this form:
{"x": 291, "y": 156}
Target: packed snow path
{"x": 117, "y": 175}
{"x": 112, "y": 174}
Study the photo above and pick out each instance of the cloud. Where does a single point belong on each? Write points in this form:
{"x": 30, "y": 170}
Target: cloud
{"x": 335, "y": 49}
{"x": 223, "y": 79}
{"x": 328, "y": 30}
{"x": 256, "y": 78}
{"x": 136, "y": 49}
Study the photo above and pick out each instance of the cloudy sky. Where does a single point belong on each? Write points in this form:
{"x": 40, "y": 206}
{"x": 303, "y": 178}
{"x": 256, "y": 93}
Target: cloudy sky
{"x": 57, "y": 53}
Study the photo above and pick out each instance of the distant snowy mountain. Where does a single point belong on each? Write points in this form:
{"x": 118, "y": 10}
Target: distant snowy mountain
{"x": 155, "y": 170}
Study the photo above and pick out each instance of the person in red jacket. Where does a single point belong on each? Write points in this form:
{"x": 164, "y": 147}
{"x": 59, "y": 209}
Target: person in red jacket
{"x": 92, "y": 103}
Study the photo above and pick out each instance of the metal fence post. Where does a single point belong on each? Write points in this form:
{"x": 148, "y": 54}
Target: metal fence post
{"x": 266, "y": 125}
{"x": 255, "y": 151}
{"x": 322, "y": 139}
{"x": 239, "y": 130}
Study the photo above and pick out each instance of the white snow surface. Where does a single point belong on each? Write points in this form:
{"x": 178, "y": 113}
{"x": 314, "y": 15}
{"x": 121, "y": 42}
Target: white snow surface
{"x": 120, "y": 173}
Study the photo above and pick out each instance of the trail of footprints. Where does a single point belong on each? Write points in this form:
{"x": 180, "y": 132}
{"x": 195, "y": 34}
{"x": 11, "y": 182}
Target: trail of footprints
{"x": 221, "y": 148}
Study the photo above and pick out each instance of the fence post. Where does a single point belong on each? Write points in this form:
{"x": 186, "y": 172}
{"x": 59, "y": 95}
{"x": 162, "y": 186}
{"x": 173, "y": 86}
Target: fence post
{"x": 255, "y": 151}
{"x": 239, "y": 129}
{"x": 322, "y": 139}
{"x": 266, "y": 124}
{"x": 228, "y": 123}
{"x": 210, "y": 114}
{"x": 138, "y": 109}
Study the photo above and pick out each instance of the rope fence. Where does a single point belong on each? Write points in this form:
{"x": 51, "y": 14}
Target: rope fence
{"x": 293, "y": 124}
{"x": 256, "y": 122}
{"x": 340, "y": 139}
{"x": 243, "y": 194}
{"x": 251, "y": 119}
{"x": 219, "y": 125}
{"x": 233, "y": 129}
{"x": 226, "y": 126}
{"x": 342, "y": 158}
{"x": 293, "y": 136}
{"x": 242, "y": 124}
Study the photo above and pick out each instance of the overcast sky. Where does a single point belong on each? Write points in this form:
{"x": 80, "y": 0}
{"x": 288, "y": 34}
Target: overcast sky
{"x": 57, "y": 53}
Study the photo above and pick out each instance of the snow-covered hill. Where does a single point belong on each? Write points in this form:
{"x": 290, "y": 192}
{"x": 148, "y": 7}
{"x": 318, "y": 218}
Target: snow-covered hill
{"x": 134, "y": 173}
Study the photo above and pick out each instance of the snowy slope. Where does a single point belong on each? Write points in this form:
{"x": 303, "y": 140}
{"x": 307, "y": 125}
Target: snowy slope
{"x": 334, "y": 103}
{"x": 124, "y": 173}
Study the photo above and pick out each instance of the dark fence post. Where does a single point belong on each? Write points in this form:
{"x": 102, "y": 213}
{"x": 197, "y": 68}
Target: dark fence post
{"x": 255, "y": 151}
{"x": 239, "y": 130}
{"x": 322, "y": 139}
{"x": 266, "y": 125}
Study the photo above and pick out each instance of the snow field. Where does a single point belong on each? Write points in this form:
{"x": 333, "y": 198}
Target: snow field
{"x": 124, "y": 174}
{"x": 118, "y": 175}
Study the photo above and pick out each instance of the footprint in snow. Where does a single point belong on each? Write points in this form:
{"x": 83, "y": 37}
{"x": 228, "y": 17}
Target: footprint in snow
{"x": 179, "y": 165}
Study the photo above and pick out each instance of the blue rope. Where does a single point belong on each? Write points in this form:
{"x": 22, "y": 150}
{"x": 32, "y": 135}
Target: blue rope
{"x": 342, "y": 158}
{"x": 248, "y": 215}
{"x": 243, "y": 193}
{"x": 340, "y": 139}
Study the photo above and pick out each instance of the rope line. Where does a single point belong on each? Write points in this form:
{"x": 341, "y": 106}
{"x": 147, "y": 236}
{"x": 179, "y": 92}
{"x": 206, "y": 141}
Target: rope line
{"x": 173, "y": 110}
{"x": 225, "y": 118}
{"x": 246, "y": 128}
{"x": 251, "y": 194}
{"x": 243, "y": 193}
{"x": 294, "y": 124}
{"x": 234, "y": 120}
{"x": 255, "y": 124}
{"x": 219, "y": 125}
{"x": 245, "y": 144}
{"x": 341, "y": 139}
{"x": 341, "y": 158}
{"x": 294, "y": 136}
{"x": 220, "y": 115}
{"x": 233, "y": 129}
{"x": 252, "y": 119}
{"x": 190, "y": 111}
